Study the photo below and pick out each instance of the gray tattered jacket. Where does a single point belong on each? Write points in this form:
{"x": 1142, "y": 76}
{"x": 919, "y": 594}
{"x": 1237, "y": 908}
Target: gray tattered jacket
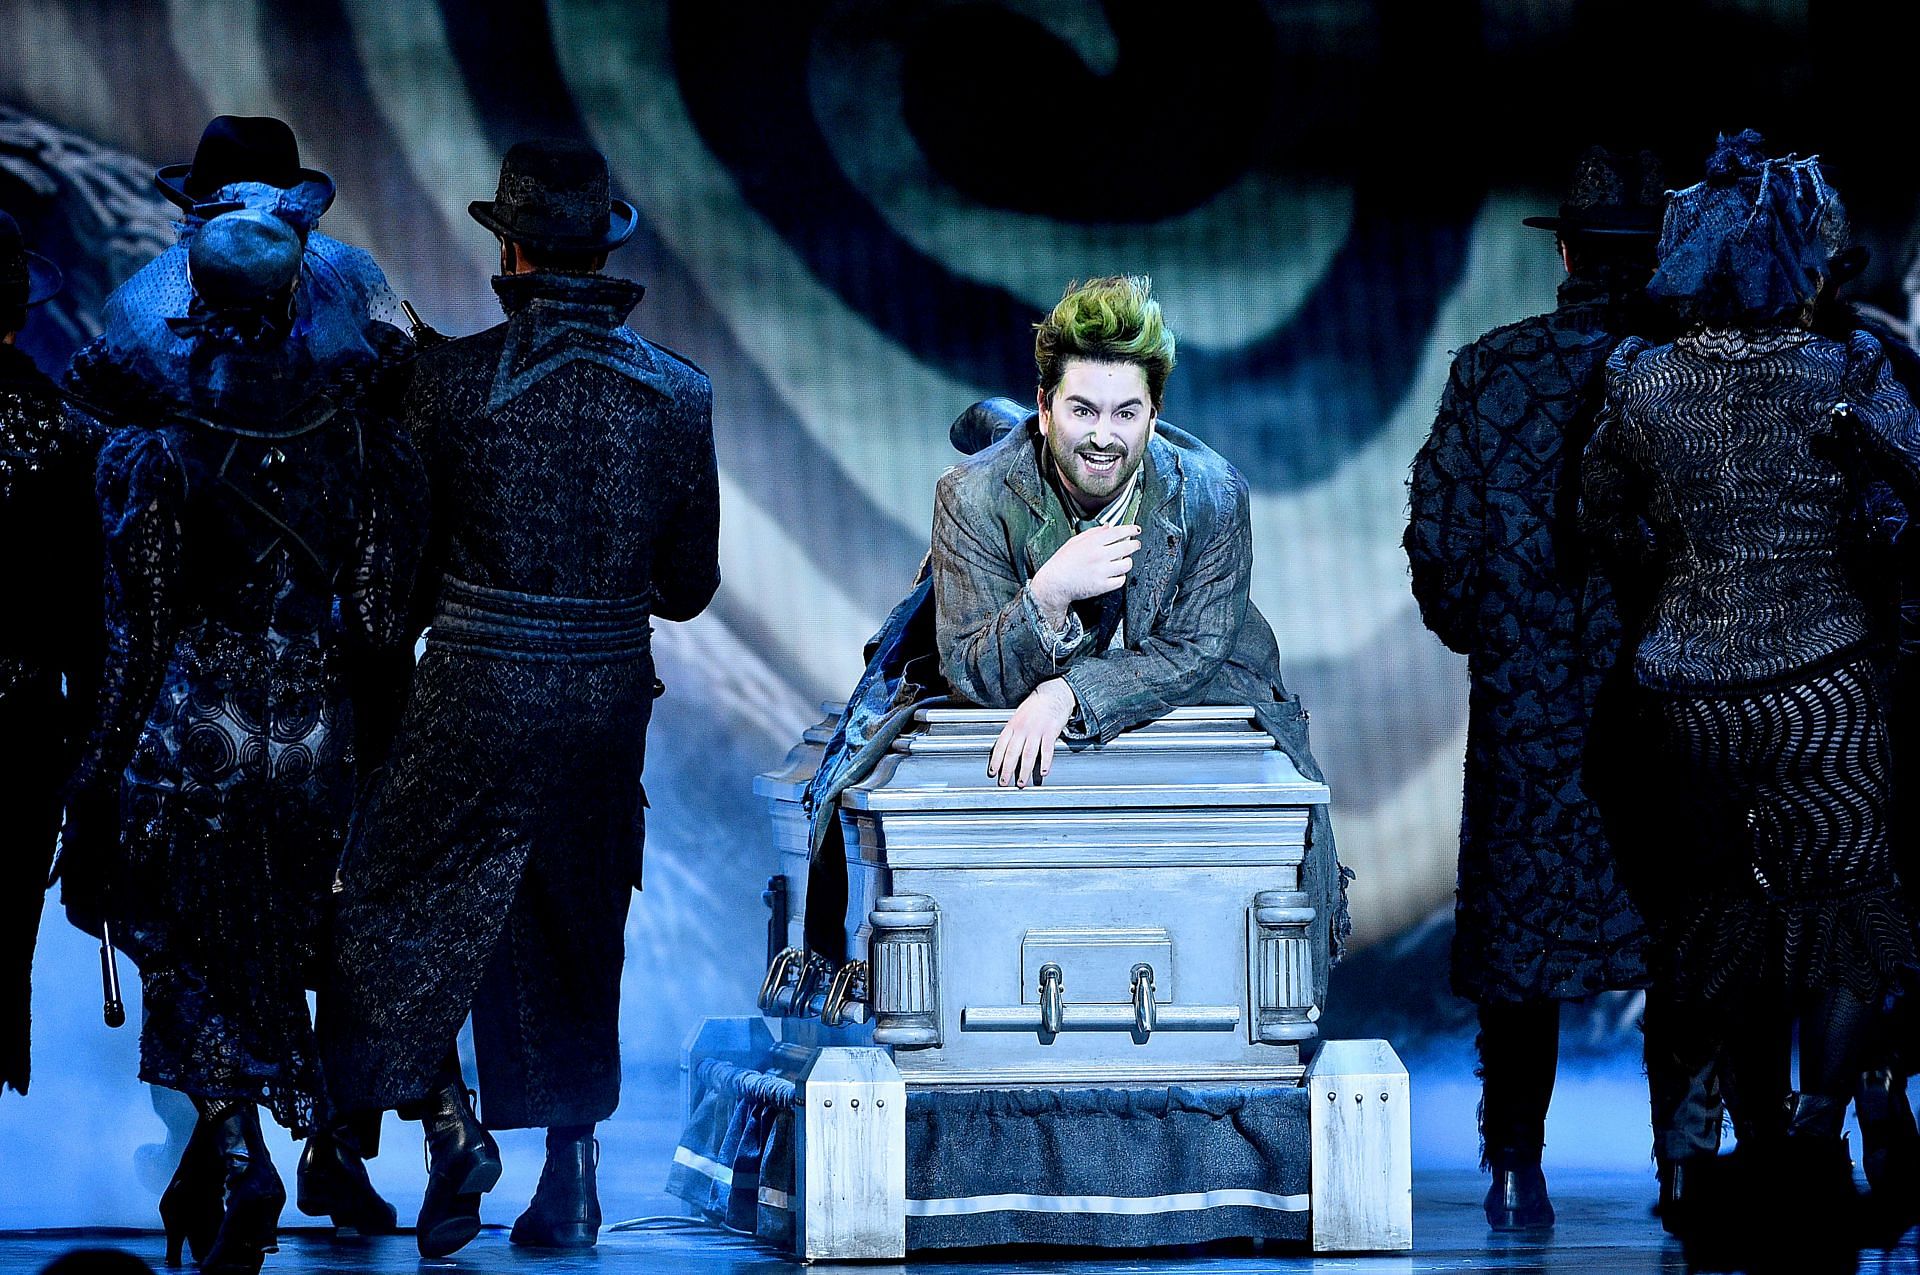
{"x": 1192, "y": 634}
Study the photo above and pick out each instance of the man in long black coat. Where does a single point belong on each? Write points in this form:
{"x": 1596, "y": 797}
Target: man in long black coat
{"x": 1542, "y": 913}
{"x": 49, "y": 624}
{"x": 575, "y": 496}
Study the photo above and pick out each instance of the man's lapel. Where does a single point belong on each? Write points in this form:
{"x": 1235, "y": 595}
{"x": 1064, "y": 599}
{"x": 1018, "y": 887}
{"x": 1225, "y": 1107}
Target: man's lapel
{"x": 1025, "y": 482}
{"x": 1155, "y": 572}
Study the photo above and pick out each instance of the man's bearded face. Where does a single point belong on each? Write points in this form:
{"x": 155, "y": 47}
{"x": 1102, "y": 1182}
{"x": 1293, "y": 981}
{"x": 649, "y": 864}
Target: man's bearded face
{"x": 1097, "y": 426}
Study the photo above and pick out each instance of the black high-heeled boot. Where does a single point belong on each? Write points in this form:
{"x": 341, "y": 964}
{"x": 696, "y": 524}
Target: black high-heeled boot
{"x": 332, "y": 1182}
{"x": 195, "y": 1200}
{"x": 565, "y": 1212}
{"x": 251, "y": 1228}
{"x": 1517, "y": 1200}
{"x": 463, "y": 1163}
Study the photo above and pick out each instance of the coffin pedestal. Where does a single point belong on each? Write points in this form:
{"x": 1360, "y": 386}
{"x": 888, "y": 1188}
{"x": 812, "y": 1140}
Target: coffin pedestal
{"x": 1130, "y": 945}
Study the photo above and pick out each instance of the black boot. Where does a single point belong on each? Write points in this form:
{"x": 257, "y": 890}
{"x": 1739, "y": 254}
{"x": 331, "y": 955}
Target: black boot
{"x": 255, "y": 1196}
{"x": 1889, "y": 1148}
{"x": 463, "y": 1163}
{"x": 1808, "y": 1164}
{"x": 194, "y": 1202}
{"x": 1517, "y": 1200}
{"x": 1690, "y": 1186}
{"x": 332, "y": 1182}
{"x": 565, "y": 1212}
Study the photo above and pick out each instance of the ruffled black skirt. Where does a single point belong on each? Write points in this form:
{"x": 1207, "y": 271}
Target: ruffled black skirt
{"x": 1780, "y": 867}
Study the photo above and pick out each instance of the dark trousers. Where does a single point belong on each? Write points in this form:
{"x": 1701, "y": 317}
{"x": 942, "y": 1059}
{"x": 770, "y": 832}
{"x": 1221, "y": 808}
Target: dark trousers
{"x": 1519, "y": 1046}
{"x": 1752, "y": 1046}
{"x": 546, "y": 1019}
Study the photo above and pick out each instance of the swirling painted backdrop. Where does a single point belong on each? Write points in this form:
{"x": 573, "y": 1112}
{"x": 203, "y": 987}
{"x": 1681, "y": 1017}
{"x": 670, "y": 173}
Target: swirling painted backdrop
{"x": 853, "y": 211}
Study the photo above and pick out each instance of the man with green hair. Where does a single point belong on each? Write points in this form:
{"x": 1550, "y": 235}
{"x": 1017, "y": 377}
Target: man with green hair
{"x": 1091, "y": 568}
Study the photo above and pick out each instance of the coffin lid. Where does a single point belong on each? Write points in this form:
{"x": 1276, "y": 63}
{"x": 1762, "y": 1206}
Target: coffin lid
{"x": 1209, "y": 756}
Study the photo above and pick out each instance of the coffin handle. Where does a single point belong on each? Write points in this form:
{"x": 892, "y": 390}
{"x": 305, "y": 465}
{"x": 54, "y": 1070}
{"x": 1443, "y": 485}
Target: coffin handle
{"x": 1143, "y": 1009}
{"x": 1053, "y": 1001}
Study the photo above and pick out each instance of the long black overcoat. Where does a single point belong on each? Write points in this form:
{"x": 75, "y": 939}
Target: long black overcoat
{"x": 575, "y": 492}
{"x": 49, "y": 627}
{"x": 1541, "y": 909}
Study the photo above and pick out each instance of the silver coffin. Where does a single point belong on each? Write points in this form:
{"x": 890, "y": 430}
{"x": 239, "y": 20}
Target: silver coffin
{"x": 1138, "y": 918}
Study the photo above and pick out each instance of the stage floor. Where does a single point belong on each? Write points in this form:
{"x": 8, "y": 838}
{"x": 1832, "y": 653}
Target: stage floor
{"x": 1604, "y": 1227}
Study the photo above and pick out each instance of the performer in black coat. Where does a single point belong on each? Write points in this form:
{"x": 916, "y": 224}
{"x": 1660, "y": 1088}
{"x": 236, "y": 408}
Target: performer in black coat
{"x": 1543, "y": 913}
{"x": 575, "y": 497}
{"x": 260, "y": 515}
{"x": 50, "y": 548}
{"x": 1720, "y": 469}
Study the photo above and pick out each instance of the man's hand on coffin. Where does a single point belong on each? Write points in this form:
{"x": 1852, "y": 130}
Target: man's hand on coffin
{"x": 1091, "y": 565}
{"x": 1024, "y": 752}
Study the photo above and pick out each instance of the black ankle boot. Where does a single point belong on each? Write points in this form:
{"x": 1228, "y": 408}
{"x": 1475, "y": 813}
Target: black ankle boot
{"x": 463, "y": 1163}
{"x": 250, "y": 1230}
{"x": 1517, "y": 1200}
{"x": 1889, "y": 1147}
{"x": 332, "y": 1182}
{"x": 1689, "y": 1186}
{"x": 565, "y": 1212}
{"x": 194, "y": 1202}
{"x": 1811, "y": 1166}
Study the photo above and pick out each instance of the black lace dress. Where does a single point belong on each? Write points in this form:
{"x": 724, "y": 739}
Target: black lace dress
{"x": 263, "y": 522}
{"x": 1763, "y": 666}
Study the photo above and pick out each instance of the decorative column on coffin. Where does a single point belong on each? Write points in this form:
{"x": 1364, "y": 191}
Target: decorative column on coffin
{"x": 905, "y": 971}
{"x": 1283, "y": 1008}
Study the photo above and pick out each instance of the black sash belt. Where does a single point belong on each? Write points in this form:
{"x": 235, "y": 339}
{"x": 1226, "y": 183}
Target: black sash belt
{"x": 532, "y": 626}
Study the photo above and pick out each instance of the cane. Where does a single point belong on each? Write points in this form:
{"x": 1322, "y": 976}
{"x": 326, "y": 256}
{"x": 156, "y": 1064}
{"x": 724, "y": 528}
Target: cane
{"x": 113, "y": 1011}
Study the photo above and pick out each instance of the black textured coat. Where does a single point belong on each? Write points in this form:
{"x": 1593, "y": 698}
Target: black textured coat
{"x": 575, "y": 493}
{"x": 1541, "y": 911}
{"x": 263, "y": 518}
{"x": 49, "y": 625}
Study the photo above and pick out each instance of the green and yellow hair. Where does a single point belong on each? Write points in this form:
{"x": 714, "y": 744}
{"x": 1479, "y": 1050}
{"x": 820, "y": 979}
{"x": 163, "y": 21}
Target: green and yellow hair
{"x": 1110, "y": 320}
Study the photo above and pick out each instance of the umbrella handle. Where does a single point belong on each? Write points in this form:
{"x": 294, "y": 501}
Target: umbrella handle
{"x": 113, "y": 1011}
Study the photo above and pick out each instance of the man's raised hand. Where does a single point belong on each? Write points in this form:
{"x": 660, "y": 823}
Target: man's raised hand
{"x": 1091, "y": 565}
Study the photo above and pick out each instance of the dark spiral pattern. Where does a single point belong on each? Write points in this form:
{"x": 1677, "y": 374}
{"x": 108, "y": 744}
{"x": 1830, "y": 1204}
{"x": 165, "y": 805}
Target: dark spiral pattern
{"x": 208, "y": 752}
{"x": 294, "y": 764}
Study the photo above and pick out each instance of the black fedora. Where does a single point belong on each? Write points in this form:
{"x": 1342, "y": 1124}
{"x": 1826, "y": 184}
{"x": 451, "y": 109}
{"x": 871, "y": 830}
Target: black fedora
{"x": 1611, "y": 195}
{"x": 26, "y": 278}
{"x": 240, "y": 148}
{"x": 554, "y": 196}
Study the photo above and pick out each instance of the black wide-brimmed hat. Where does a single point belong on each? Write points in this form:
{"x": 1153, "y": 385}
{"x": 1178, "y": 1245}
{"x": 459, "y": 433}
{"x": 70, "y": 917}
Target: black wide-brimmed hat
{"x": 554, "y": 196}
{"x": 26, "y": 278}
{"x": 1610, "y": 195}
{"x": 240, "y": 148}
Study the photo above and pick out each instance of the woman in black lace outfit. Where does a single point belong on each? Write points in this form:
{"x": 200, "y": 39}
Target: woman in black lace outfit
{"x": 1718, "y": 485}
{"x": 262, "y": 515}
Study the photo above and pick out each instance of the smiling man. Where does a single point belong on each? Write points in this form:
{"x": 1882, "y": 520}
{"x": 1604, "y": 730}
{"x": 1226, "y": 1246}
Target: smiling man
{"x": 1091, "y": 569}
